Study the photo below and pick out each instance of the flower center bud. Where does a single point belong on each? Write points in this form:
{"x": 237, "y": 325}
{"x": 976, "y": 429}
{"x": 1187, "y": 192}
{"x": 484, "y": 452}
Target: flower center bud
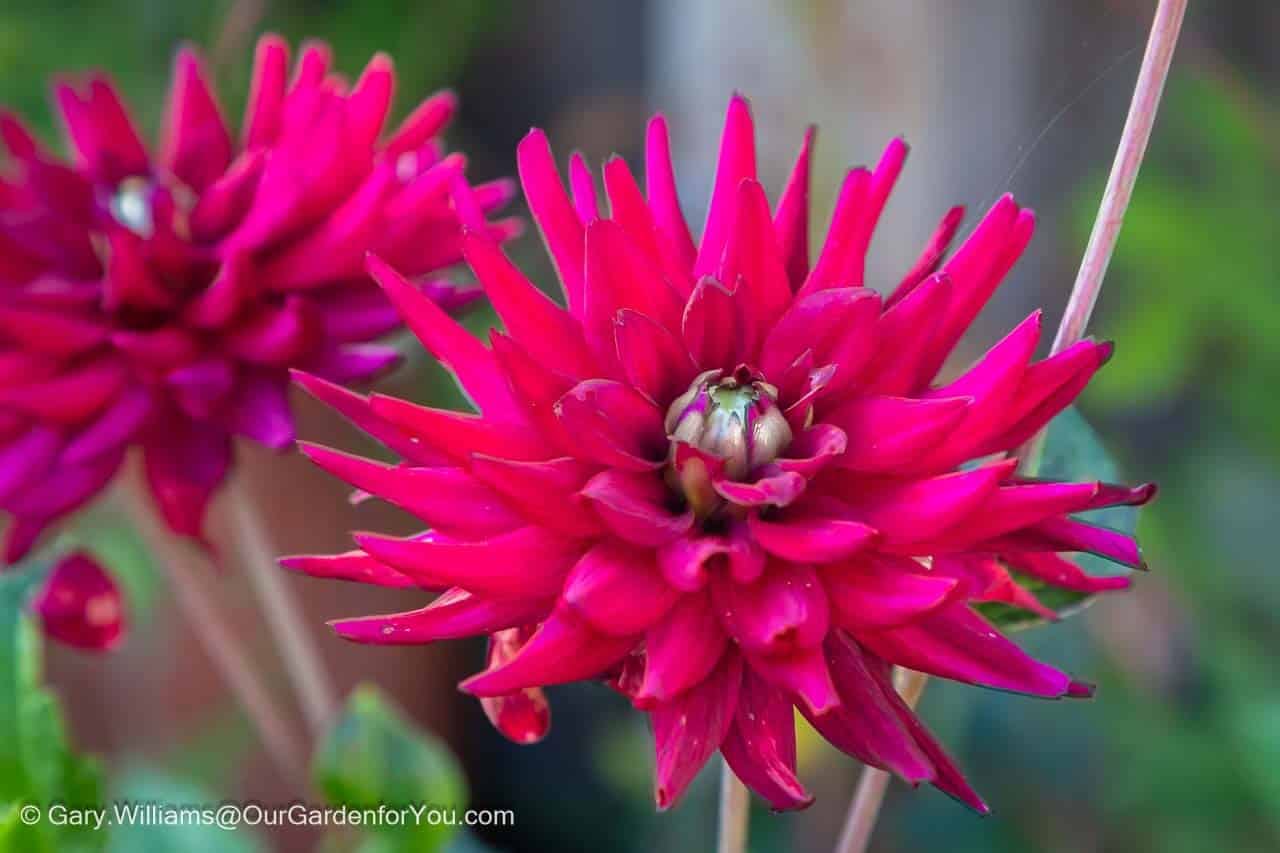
{"x": 735, "y": 418}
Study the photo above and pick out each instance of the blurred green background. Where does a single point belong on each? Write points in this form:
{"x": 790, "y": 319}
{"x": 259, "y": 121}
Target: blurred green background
{"x": 1179, "y": 750}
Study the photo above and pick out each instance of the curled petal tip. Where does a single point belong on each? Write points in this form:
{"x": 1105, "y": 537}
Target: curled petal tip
{"x": 1114, "y": 584}
{"x": 535, "y": 136}
{"x": 1081, "y": 690}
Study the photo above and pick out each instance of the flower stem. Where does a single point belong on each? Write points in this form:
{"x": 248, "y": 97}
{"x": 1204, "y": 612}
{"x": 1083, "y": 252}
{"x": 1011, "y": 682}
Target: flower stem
{"x": 1119, "y": 189}
{"x": 297, "y": 646}
{"x": 1084, "y": 295}
{"x": 233, "y": 662}
{"x": 868, "y": 797}
{"x": 735, "y": 808}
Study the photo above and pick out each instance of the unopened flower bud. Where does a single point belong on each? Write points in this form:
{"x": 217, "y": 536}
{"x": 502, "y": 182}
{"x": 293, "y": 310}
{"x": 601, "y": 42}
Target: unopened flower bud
{"x": 735, "y": 418}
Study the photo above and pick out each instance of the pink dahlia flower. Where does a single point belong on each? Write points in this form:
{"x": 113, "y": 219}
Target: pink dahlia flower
{"x": 725, "y": 480}
{"x": 157, "y": 298}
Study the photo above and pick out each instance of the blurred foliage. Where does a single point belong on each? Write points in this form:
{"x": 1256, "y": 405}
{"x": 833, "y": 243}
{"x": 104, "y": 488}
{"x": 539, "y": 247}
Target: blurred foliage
{"x": 135, "y": 40}
{"x": 1194, "y": 303}
{"x": 1201, "y": 313}
{"x": 373, "y": 757}
{"x": 142, "y": 786}
{"x": 37, "y": 764}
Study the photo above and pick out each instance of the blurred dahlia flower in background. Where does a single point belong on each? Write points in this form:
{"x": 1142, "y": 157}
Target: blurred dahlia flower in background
{"x": 156, "y": 298}
{"x": 723, "y": 479}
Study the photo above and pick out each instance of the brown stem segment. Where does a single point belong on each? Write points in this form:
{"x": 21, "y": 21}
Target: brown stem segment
{"x": 297, "y": 646}
{"x": 188, "y": 580}
{"x": 735, "y": 809}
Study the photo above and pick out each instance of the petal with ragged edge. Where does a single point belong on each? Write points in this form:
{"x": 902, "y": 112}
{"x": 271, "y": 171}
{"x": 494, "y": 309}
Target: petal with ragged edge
{"x": 689, "y": 729}
{"x": 761, "y": 745}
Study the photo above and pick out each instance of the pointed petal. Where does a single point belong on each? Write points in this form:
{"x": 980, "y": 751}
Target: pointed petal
{"x": 948, "y": 777}
{"x": 357, "y": 409}
{"x": 446, "y": 498}
{"x": 777, "y": 489}
{"x": 26, "y": 458}
{"x": 195, "y": 142}
{"x": 72, "y": 398}
{"x": 549, "y": 334}
{"x": 883, "y": 591}
{"x": 561, "y": 229}
{"x": 356, "y": 566}
{"x": 688, "y": 730}
{"x": 664, "y": 201}
{"x": 931, "y": 257}
{"x": 735, "y": 163}
{"x": 654, "y": 361}
{"x": 563, "y": 649}
{"x": 711, "y": 327}
{"x": 761, "y": 745}
{"x": 453, "y": 615}
{"x": 887, "y": 432}
{"x": 636, "y": 507}
{"x": 1061, "y": 572}
{"x": 117, "y": 425}
{"x": 781, "y": 614}
{"x": 266, "y": 92}
{"x": 807, "y": 539}
{"x": 956, "y": 643}
{"x": 474, "y": 367}
{"x": 457, "y": 434}
{"x": 618, "y": 590}
{"x": 680, "y": 650}
{"x": 866, "y": 725}
{"x": 918, "y": 510}
{"x": 613, "y": 425}
{"x": 528, "y": 561}
{"x": 545, "y": 492}
{"x": 838, "y": 324}
{"x": 185, "y": 464}
{"x": 423, "y": 124}
{"x": 805, "y": 676}
{"x": 791, "y": 218}
{"x": 751, "y": 254}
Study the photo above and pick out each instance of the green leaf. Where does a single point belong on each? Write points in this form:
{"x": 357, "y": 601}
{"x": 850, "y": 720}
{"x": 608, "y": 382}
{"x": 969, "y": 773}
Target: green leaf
{"x": 374, "y": 757}
{"x": 37, "y": 764}
{"x": 151, "y": 786}
{"x": 1072, "y": 451}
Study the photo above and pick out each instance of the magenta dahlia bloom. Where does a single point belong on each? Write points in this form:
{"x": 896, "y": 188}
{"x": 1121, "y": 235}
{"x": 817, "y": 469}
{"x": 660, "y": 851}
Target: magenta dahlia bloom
{"x": 158, "y": 298}
{"x": 725, "y": 480}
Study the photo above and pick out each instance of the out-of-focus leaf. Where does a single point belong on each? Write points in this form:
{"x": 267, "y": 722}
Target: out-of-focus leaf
{"x": 1072, "y": 451}
{"x": 1191, "y": 295}
{"x": 374, "y": 757}
{"x": 37, "y": 764}
{"x": 140, "y": 787}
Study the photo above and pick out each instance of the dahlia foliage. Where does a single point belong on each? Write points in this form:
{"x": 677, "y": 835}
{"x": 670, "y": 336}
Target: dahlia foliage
{"x": 724, "y": 480}
{"x": 157, "y": 298}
